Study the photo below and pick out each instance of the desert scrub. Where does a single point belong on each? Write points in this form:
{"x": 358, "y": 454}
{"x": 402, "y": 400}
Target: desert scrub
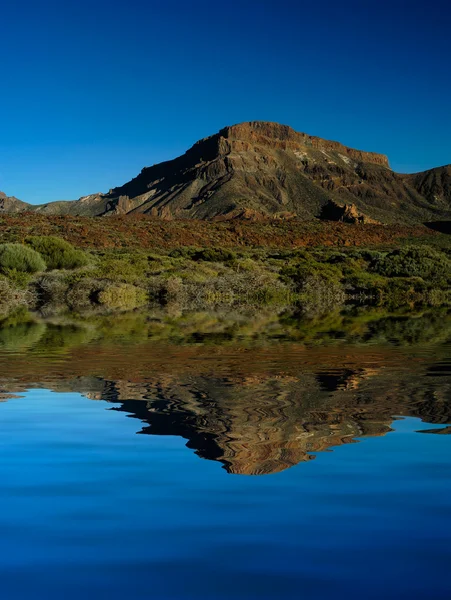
{"x": 122, "y": 296}
{"x": 57, "y": 253}
{"x": 20, "y": 258}
{"x": 51, "y": 288}
{"x": 81, "y": 295}
{"x": 429, "y": 264}
{"x": 205, "y": 254}
{"x": 228, "y": 287}
{"x": 307, "y": 271}
{"x": 19, "y": 279}
{"x": 11, "y": 297}
{"x": 122, "y": 267}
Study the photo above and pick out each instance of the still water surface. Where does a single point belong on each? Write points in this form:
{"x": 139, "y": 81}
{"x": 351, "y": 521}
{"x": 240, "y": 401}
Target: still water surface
{"x": 154, "y": 470}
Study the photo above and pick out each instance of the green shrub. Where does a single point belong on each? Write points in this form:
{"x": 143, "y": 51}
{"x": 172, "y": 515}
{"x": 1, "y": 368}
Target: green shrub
{"x": 215, "y": 255}
{"x": 310, "y": 270}
{"x": 20, "y": 258}
{"x": 58, "y": 253}
{"x": 184, "y": 252}
{"x": 51, "y": 288}
{"x": 415, "y": 261}
{"x": 122, "y": 268}
{"x": 206, "y": 254}
{"x": 122, "y": 296}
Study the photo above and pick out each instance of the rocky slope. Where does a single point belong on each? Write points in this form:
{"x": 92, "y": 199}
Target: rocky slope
{"x": 10, "y": 204}
{"x": 259, "y": 169}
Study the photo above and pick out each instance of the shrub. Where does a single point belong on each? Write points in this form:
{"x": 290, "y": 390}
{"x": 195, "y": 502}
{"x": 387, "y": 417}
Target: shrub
{"x": 58, "y": 253}
{"x": 10, "y": 296}
{"x": 206, "y": 254}
{"x": 122, "y": 268}
{"x": 51, "y": 289}
{"x": 308, "y": 271}
{"x": 20, "y": 258}
{"x": 19, "y": 279}
{"x": 122, "y": 296}
{"x": 415, "y": 261}
{"x": 184, "y": 252}
{"x": 215, "y": 255}
{"x": 82, "y": 294}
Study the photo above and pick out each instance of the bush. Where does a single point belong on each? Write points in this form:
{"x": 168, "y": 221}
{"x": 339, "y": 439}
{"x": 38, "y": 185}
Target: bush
{"x": 9, "y": 295}
{"x": 51, "y": 289}
{"x": 82, "y": 294}
{"x": 206, "y": 254}
{"x": 123, "y": 296}
{"x": 20, "y": 258}
{"x": 184, "y": 252}
{"x": 19, "y": 279}
{"x": 58, "y": 253}
{"x": 309, "y": 270}
{"x": 215, "y": 255}
{"x": 122, "y": 268}
{"x": 415, "y": 261}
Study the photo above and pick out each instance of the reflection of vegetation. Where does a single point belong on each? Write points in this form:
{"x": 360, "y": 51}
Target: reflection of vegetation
{"x": 356, "y": 326}
{"x": 22, "y": 336}
{"x": 21, "y": 330}
{"x": 62, "y": 337}
{"x": 429, "y": 328}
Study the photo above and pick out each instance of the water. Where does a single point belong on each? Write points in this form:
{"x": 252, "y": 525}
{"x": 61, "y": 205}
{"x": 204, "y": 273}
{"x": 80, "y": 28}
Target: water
{"x": 135, "y": 467}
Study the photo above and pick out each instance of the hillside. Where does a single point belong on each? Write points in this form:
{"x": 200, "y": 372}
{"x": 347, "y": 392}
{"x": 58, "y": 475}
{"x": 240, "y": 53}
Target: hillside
{"x": 265, "y": 169}
{"x": 10, "y": 204}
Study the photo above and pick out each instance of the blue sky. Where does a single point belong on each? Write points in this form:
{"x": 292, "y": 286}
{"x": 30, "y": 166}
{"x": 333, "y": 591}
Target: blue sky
{"x": 94, "y": 91}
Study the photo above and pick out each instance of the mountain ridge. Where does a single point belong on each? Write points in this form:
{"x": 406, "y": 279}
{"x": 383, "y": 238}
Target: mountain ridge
{"x": 261, "y": 169}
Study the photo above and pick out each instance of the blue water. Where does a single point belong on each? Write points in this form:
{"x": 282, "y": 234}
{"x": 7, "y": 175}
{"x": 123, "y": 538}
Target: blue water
{"x": 89, "y": 509}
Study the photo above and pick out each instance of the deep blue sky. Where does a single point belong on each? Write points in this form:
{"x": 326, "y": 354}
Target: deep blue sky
{"x": 92, "y": 91}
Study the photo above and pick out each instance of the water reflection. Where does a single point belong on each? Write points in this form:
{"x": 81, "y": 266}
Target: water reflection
{"x": 256, "y": 409}
{"x": 91, "y": 509}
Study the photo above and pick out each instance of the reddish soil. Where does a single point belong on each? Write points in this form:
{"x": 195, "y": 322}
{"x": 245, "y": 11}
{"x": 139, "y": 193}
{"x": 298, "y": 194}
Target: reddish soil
{"x": 148, "y": 232}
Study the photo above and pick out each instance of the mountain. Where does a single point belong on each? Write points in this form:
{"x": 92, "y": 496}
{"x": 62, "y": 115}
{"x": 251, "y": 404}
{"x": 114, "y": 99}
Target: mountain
{"x": 261, "y": 169}
{"x": 10, "y": 204}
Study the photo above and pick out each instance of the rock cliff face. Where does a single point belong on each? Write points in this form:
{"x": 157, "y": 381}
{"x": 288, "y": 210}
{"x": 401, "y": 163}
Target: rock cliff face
{"x": 265, "y": 170}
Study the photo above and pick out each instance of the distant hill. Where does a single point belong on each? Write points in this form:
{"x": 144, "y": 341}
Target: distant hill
{"x": 10, "y": 204}
{"x": 259, "y": 169}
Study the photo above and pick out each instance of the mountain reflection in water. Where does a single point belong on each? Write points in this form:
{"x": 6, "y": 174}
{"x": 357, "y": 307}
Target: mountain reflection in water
{"x": 255, "y": 409}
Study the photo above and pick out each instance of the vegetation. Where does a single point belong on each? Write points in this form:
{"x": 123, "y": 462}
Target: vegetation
{"x": 20, "y": 258}
{"x": 350, "y": 325}
{"x": 57, "y": 253}
{"x": 150, "y": 234}
{"x": 51, "y": 274}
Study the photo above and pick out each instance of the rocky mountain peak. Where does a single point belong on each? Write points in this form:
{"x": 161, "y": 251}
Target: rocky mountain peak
{"x": 261, "y": 169}
{"x": 284, "y": 137}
